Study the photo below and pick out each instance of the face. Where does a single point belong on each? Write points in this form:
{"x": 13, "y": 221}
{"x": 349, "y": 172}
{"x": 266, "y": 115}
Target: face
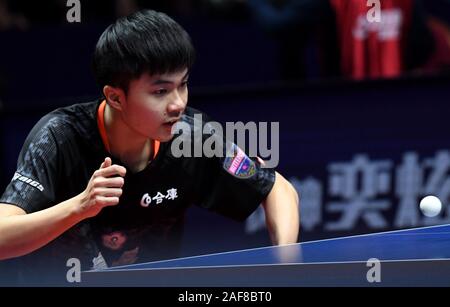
{"x": 155, "y": 103}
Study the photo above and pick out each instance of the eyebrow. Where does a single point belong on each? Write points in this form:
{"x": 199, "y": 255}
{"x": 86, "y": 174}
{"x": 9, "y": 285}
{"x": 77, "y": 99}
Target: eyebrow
{"x": 161, "y": 81}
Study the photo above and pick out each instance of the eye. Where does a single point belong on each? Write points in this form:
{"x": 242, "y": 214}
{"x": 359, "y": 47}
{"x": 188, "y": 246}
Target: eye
{"x": 160, "y": 92}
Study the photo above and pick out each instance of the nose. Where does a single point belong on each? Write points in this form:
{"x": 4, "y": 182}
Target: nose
{"x": 177, "y": 105}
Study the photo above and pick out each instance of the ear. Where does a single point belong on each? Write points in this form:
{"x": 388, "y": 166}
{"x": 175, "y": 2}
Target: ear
{"x": 114, "y": 96}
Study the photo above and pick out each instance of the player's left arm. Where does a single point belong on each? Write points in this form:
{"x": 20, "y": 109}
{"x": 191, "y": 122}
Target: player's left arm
{"x": 281, "y": 208}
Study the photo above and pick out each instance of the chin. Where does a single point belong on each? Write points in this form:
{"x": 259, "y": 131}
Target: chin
{"x": 164, "y": 138}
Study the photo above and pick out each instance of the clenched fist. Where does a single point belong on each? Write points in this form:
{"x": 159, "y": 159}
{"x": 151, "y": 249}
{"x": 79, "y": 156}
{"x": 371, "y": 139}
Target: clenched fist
{"x": 104, "y": 189}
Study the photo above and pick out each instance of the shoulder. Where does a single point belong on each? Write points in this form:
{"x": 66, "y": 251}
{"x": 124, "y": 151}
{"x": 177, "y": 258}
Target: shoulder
{"x": 62, "y": 130}
{"x": 66, "y": 122}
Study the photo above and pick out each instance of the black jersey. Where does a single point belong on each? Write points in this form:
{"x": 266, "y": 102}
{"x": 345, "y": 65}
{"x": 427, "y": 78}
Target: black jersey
{"x": 62, "y": 152}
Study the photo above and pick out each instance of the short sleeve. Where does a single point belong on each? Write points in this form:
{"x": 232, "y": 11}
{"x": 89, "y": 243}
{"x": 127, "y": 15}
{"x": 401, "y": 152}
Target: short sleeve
{"x": 226, "y": 180}
{"x": 34, "y": 183}
{"x": 236, "y": 185}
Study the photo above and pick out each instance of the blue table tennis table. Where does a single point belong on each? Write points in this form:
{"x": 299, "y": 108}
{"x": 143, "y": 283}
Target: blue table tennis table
{"x": 412, "y": 257}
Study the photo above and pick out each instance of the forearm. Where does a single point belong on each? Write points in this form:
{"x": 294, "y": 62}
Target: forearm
{"x": 282, "y": 214}
{"x": 23, "y": 234}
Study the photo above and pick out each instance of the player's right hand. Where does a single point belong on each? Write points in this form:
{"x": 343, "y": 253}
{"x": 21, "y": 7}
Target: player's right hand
{"x": 104, "y": 188}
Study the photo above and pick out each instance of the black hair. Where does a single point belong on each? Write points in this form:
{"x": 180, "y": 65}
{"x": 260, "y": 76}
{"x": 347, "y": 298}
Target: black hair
{"x": 144, "y": 42}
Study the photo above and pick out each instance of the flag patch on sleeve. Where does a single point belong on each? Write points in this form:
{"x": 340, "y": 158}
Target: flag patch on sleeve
{"x": 239, "y": 164}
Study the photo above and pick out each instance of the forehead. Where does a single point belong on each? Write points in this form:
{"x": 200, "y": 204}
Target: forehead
{"x": 174, "y": 77}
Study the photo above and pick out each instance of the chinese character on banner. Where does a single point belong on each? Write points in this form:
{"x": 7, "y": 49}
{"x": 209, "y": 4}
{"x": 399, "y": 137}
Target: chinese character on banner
{"x": 359, "y": 184}
{"x": 310, "y": 191}
{"x": 437, "y": 183}
{"x": 416, "y": 180}
{"x": 256, "y": 221}
{"x": 409, "y": 181}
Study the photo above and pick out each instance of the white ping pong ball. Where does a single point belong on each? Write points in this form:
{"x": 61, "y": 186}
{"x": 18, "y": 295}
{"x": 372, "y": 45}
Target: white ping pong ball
{"x": 430, "y": 206}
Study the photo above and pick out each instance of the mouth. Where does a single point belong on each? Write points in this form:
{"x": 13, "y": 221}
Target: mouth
{"x": 170, "y": 123}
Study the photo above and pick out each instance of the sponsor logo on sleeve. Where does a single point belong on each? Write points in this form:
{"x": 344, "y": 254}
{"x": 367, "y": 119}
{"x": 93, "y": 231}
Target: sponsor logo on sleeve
{"x": 28, "y": 181}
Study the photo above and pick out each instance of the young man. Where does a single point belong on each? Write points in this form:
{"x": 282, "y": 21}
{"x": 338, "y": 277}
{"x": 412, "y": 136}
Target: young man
{"x": 99, "y": 182}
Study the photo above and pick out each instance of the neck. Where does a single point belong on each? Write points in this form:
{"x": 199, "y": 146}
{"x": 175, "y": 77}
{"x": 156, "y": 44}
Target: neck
{"x": 130, "y": 147}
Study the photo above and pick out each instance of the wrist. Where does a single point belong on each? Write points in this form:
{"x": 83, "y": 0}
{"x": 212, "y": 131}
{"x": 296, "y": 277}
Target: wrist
{"x": 76, "y": 207}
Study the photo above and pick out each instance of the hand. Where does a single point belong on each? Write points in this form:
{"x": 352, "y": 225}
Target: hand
{"x": 104, "y": 189}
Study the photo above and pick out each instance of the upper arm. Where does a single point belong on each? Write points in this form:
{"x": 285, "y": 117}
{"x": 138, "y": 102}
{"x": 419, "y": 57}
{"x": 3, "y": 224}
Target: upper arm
{"x": 33, "y": 186}
{"x": 282, "y": 187}
{"x": 10, "y": 210}
{"x": 235, "y": 186}
{"x": 227, "y": 182}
